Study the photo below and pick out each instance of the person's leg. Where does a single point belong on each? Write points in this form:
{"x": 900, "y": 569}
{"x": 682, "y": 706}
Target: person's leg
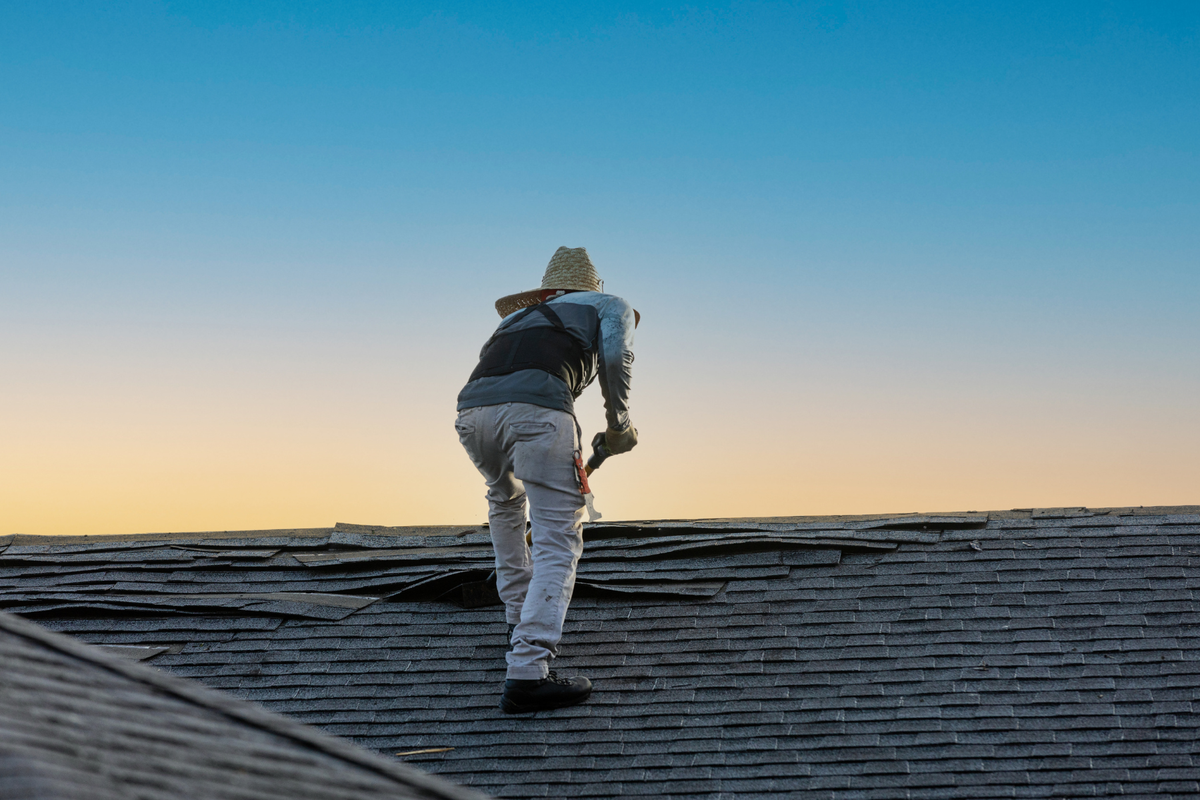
{"x": 514, "y": 566}
{"x": 557, "y": 546}
{"x": 477, "y": 430}
{"x": 541, "y": 444}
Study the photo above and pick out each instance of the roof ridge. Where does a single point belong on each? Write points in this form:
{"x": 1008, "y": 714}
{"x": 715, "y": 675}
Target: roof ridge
{"x": 240, "y": 710}
{"x": 834, "y": 520}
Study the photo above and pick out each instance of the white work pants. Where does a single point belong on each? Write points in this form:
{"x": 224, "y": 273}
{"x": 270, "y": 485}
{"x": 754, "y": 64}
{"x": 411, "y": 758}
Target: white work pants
{"x": 526, "y": 450}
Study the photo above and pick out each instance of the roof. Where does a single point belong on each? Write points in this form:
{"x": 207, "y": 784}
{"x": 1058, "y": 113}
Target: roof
{"x": 78, "y": 722}
{"x": 1034, "y": 653}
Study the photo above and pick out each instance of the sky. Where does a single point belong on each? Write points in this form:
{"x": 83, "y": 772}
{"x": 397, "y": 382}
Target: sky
{"x": 889, "y": 257}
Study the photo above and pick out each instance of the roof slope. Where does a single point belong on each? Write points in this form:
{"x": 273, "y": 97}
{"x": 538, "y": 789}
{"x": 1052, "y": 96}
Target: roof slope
{"x": 1017, "y": 654}
{"x": 78, "y": 723}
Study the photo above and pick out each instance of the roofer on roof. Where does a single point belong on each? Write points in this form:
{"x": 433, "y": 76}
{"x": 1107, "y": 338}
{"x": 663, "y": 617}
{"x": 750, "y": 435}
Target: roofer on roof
{"x": 517, "y": 422}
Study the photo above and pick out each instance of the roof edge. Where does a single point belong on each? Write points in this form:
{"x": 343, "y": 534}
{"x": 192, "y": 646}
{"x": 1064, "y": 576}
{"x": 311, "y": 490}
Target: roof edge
{"x": 240, "y": 710}
{"x": 449, "y": 530}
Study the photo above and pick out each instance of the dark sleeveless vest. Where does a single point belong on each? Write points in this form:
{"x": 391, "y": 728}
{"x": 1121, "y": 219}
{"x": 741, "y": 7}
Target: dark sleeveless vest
{"x": 551, "y": 349}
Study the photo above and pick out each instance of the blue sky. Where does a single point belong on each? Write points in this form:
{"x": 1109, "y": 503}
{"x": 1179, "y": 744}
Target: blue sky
{"x": 755, "y": 131}
{"x": 996, "y": 200}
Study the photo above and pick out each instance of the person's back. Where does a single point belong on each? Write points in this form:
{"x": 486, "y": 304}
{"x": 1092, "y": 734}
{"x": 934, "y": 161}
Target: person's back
{"x": 549, "y": 353}
{"x": 516, "y": 421}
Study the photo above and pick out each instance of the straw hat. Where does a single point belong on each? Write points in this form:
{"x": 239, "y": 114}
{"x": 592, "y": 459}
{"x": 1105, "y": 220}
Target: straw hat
{"x": 569, "y": 269}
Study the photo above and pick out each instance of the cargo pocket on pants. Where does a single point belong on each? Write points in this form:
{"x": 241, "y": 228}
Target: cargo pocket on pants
{"x": 528, "y": 431}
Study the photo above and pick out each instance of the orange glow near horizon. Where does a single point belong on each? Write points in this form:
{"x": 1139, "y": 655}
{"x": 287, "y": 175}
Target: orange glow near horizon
{"x": 229, "y": 451}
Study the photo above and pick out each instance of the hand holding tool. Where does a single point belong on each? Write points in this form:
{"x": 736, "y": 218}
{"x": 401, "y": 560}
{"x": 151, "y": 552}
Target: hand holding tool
{"x": 600, "y": 452}
{"x": 620, "y": 441}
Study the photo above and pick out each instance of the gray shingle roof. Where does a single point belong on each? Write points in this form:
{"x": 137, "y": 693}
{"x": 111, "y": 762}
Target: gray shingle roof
{"x": 1037, "y": 653}
{"x": 77, "y": 723}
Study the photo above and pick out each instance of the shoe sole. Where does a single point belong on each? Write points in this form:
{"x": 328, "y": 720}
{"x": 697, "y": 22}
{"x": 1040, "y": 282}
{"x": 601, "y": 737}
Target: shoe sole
{"x": 509, "y": 707}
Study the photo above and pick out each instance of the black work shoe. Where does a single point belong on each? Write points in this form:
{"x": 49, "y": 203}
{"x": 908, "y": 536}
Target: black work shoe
{"x": 526, "y": 697}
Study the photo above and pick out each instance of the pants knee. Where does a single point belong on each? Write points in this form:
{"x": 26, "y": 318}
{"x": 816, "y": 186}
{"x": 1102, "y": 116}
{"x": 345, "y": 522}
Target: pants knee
{"x": 510, "y": 504}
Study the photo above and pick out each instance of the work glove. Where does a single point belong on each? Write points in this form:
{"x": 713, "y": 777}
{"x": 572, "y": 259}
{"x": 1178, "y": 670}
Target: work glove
{"x": 619, "y": 442}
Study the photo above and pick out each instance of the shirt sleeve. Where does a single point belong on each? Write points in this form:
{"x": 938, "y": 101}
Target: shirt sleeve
{"x": 615, "y": 354}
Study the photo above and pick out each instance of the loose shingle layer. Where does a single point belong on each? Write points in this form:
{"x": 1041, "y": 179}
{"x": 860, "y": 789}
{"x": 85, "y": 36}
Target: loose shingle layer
{"x": 1049, "y": 653}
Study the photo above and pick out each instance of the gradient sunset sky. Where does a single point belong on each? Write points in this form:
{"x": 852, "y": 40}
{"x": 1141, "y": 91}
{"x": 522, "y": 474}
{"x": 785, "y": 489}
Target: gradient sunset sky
{"x": 889, "y": 257}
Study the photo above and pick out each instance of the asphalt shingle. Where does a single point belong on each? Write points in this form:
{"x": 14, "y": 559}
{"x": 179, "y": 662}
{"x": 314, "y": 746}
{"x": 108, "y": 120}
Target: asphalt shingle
{"x": 1017, "y": 654}
{"x": 77, "y": 722}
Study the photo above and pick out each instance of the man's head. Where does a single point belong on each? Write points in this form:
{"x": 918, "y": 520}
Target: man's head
{"x": 569, "y": 270}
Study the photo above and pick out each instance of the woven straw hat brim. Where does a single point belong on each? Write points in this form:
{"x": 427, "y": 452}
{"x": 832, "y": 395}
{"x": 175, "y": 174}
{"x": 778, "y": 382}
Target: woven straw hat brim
{"x": 515, "y": 302}
{"x": 569, "y": 269}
